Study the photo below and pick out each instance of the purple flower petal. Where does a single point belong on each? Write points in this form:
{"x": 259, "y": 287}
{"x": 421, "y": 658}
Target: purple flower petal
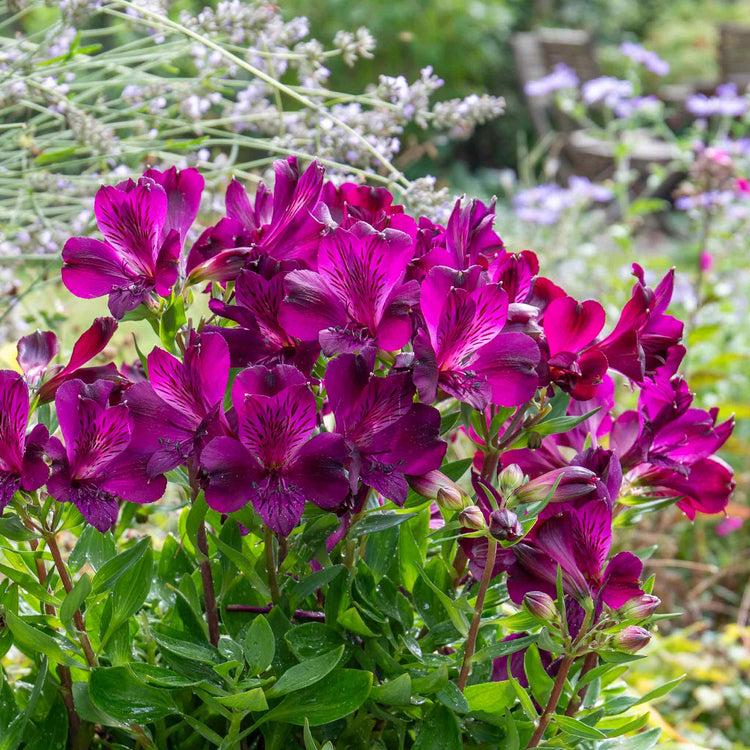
{"x": 232, "y": 473}
{"x": 35, "y": 352}
{"x": 621, "y": 579}
{"x": 570, "y": 325}
{"x": 92, "y": 268}
{"x": 183, "y": 189}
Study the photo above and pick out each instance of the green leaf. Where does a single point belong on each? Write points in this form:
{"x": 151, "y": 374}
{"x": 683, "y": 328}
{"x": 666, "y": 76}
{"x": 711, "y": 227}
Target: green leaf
{"x": 524, "y": 699}
{"x": 379, "y": 521}
{"x": 396, "y": 692}
{"x": 433, "y": 682}
{"x": 512, "y": 740}
{"x": 453, "y": 698}
{"x": 541, "y": 683}
{"x": 110, "y": 571}
{"x": 250, "y": 700}
{"x": 172, "y": 319}
{"x": 31, "y": 640}
{"x": 557, "y": 425}
{"x": 12, "y": 528}
{"x": 244, "y": 563}
{"x": 577, "y": 728}
{"x": 457, "y": 617}
{"x": 206, "y": 732}
{"x": 490, "y": 697}
{"x": 310, "y": 584}
{"x": 50, "y": 733}
{"x": 661, "y": 691}
{"x": 121, "y": 695}
{"x": 306, "y": 673}
{"x": 503, "y": 648}
{"x": 160, "y": 676}
{"x": 203, "y": 653}
{"x": 131, "y": 589}
{"x": 92, "y": 547}
{"x": 352, "y": 620}
{"x": 311, "y": 639}
{"x": 641, "y": 741}
{"x": 73, "y": 601}
{"x": 29, "y": 584}
{"x": 335, "y": 696}
{"x": 13, "y": 734}
{"x": 259, "y": 646}
{"x": 439, "y": 730}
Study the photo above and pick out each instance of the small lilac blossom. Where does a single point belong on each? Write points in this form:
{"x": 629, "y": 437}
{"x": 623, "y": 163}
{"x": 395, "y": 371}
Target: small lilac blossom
{"x": 95, "y": 468}
{"x": 646, "y": 105}
{"x": 21, "y": 456}
{"x": 645, "y": 57}
{"x": 562, "y": 77}
{"x": 726, "y": 103}
{"x": 275, "y": 463}
{"x": 606, "y": 90}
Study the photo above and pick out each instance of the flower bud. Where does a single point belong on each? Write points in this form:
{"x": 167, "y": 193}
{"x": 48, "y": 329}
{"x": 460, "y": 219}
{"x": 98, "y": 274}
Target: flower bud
{"x": 472, "y": 518}
{"x": 434, "y": 485}
{"x": 639, "y": 607}
{"x": 510, "y": 479}
{"x": 631, "y": 639}
{"x": 504, "y": 525}
{"x": 574, "y": 481}
{"x": 540, "y": 605}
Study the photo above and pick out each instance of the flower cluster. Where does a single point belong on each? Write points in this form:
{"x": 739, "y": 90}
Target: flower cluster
{"x": 546, "y": 204}
{"x": 350, "y": 322}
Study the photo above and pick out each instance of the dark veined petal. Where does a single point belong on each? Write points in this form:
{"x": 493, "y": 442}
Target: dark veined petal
{"x": 128, "y": 477}
{"x": 183, "y": 189}
{"x": 94, "y": 435}
{"x": 34, "y": 470}
{"x": 35, "y": 352}
{"x": 318, "y": 470}
{"x": 92, "y": 268}
{"x": 233, "y": 474}
{"x": 621, "y": 580}
{"x": 14, "y": 414}
{"x": 167, "y": 265}
{"x": 509, "y": 363}
{"x": 310, "y": 306}
{"x": 98, "y": 507}
{"x": 131, "y": 222}
{"x": 592, "y": 537}
{"x": 264, "y": 381}
{"x": 239, "y": 208}
{"x": 278, "y": 502}
{"x": 570, "y": 325}
{"x": 274, "y": 428}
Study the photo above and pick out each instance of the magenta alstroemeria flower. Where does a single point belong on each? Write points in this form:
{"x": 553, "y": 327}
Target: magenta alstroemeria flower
{"x": 21, "y": 456}
{"x": 142, "y": 232}
{"x": 346, "y": 205}
{"x": 178, "y": 410}
{"x": 577, "y": 540}
{"x": 358, "y": 297}
{"x": 468, "y": 240}
{"x": 96, "y": 467}
{"x": 37, "y": 350}
{"x": 388, "y": 434}
{"x": 462, "y": 350}
{"x": 259, "y": 338}
{"x": 279, "y": 225}
{"x": 667, "y": 448}
{"x": 275, "y": 464}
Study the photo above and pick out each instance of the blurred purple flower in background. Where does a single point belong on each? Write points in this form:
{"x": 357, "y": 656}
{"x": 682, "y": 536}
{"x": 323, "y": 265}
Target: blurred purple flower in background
{"x": 726, "y": 103}
{"x": 562, "y": 77}
{"x": 645, "y": 57}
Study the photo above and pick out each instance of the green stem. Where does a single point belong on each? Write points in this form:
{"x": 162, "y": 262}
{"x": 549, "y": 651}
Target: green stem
{"x": 476, "y": 620}
{"x": 554, "y": 699}
{"x": 273, "y": 581}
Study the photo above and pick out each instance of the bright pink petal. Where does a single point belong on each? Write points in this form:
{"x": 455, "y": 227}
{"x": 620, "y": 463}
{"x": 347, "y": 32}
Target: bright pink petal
{"x": 92, "y": 268}
{"x": 570, "y": 325}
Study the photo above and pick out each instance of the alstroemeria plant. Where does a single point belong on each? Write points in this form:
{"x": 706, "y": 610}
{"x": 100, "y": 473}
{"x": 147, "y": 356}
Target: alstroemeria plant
{"x": 383, "y": 437}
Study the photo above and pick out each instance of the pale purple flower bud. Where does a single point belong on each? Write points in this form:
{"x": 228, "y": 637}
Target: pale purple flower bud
{"x": 472, "y": 518}
{"x": 639, "y": 607}
{"x": 434, "y": 485}
{"x": 574, "y": 482}
{"x": 510, "y": 479}
{"x": 631, "y": 639}
{"x": 504, "y": 525}
{"x": 540, "y": 605}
